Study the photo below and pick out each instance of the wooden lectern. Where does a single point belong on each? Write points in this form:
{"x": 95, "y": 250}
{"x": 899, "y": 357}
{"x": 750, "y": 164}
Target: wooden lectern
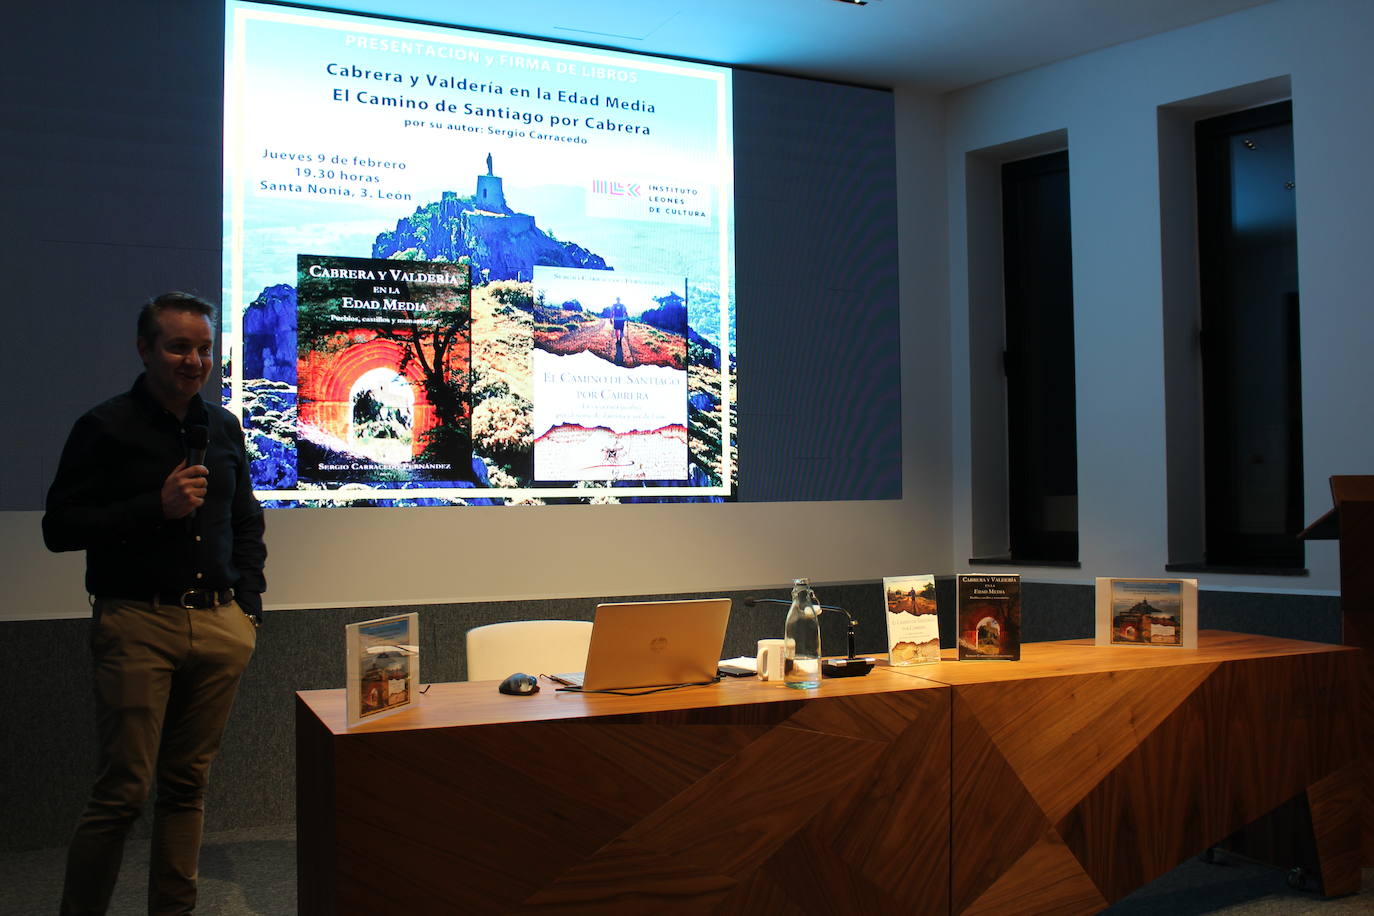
{"x": 1351, "y": 522}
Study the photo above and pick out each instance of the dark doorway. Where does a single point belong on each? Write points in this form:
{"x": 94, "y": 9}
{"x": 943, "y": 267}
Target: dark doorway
{"x": 1042, "y": 438}
{"x": 1251, "y": 366}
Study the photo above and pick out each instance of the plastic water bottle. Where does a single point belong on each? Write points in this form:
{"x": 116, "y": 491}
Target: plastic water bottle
{"x": 802, "y": 636}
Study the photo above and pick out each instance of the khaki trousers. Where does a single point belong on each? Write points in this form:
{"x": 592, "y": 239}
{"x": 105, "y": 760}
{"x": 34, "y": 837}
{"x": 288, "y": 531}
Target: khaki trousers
{"x": 165, "y": 679}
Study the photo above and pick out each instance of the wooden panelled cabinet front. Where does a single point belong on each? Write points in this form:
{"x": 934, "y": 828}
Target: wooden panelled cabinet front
{"x": 1055, "y": 784}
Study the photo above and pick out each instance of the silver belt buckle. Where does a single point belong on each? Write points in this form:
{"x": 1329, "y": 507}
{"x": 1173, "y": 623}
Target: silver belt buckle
{"x": 192, "y": 593}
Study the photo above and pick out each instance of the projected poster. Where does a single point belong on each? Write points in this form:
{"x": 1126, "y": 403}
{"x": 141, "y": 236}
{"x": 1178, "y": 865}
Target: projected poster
{"x": 463, "y": 268}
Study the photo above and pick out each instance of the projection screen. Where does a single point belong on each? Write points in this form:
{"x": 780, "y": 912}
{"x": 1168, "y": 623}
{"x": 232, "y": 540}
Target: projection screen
{"x": 464, "y": 268}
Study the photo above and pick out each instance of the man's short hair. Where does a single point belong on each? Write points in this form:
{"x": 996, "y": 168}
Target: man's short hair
{"x": 176, "y": 301}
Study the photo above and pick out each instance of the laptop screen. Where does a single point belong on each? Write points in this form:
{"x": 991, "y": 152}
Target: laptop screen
{"x": 656, "y": 643}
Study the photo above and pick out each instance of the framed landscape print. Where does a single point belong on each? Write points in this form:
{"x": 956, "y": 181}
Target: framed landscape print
{"x": 1147, "y": 612}
{"x": 382, "y": 658}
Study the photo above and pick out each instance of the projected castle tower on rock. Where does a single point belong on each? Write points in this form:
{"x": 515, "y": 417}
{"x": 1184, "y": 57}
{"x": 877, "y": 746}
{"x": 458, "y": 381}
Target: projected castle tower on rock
{"x": 490, "y": 194}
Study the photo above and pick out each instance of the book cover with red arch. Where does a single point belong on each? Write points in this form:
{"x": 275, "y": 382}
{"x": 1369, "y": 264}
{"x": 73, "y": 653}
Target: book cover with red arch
{"x": 384, "y": 350}
{"x": 989, "y": 617}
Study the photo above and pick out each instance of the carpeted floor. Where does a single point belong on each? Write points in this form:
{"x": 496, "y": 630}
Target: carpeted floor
{"x": 249, "y": 872}
{"x": 252, "y": 872}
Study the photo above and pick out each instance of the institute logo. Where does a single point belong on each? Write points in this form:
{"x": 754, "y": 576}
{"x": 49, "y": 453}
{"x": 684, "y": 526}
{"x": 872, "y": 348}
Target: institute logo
{"x": 615, "y": 188}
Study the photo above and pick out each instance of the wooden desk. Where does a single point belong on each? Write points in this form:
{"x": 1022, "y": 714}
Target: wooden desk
{"x": 1081, "y": 773}
{"x": 1069, "y": 778}
{"x": 742, "y": 797}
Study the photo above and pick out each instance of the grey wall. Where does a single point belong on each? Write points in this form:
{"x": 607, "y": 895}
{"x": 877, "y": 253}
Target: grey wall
{"x": 1119, "y": 111}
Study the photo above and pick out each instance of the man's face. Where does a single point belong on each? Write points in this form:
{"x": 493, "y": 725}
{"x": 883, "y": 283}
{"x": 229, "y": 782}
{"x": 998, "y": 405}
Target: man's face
{"x": 178, "y": 360}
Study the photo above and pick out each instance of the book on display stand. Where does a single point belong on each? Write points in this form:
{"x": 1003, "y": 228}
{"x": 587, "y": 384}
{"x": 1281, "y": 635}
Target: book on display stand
{"x": 1147, "y": 612}
{"x": 382, "y": 659}
{"x": 913, "y": 626}
{"x": 989, "y": 617}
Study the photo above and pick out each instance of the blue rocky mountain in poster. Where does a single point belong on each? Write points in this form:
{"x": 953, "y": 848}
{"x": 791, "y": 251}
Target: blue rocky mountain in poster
{"x": 506, "y": 244}
{"x": 269, "y": 387}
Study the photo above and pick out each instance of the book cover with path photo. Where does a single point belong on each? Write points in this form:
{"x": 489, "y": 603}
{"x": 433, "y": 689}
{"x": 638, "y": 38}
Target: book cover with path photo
{"x": 913, "y": 626}
{"x": 610, "y": 376}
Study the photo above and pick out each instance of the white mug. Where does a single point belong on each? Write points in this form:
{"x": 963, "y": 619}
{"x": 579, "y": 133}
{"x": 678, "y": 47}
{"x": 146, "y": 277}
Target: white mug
{"x": 771, "y": 659}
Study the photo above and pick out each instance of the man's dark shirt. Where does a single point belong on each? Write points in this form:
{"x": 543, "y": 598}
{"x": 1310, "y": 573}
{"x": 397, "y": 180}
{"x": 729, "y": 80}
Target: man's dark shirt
{"x": 107, "y": 500}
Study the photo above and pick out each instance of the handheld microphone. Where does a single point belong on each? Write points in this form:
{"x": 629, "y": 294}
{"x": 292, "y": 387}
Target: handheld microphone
{"x": 197, "y": 443}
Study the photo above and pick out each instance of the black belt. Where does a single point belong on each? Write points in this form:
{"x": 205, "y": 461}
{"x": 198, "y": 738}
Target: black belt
{"x": 193, "y": 599}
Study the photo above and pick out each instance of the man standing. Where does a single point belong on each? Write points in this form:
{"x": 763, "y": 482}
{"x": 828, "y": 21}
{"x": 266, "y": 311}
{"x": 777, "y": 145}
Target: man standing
{"x": 153, "y": 484}
{"x": 618, "y": 315}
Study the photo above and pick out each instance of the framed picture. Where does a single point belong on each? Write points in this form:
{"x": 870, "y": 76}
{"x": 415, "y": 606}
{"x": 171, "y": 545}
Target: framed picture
{"x": 383, "y": 664}
{"x": 913, "y": 627}
{"x": 1147, "y": 612}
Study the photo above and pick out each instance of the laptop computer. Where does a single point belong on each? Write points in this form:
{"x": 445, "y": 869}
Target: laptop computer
{"x": 653, "y": 644}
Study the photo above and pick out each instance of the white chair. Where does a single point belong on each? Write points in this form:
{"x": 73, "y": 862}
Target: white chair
{"x": 531, "y": 646}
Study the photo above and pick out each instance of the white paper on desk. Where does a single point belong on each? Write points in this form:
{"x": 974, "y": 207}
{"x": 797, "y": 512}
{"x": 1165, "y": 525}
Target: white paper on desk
{"x": 748, "y": 662}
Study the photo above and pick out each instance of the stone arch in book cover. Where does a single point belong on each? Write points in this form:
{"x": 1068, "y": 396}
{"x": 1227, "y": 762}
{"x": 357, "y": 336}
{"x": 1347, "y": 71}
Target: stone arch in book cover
{"x": 327, "y": 381}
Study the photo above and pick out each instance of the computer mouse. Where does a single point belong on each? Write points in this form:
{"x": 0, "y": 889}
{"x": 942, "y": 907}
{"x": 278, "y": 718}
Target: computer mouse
{"x": 519, "y": 685}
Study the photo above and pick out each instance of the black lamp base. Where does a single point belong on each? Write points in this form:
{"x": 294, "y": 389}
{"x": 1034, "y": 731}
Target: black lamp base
{"x": 846, "y": 667}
